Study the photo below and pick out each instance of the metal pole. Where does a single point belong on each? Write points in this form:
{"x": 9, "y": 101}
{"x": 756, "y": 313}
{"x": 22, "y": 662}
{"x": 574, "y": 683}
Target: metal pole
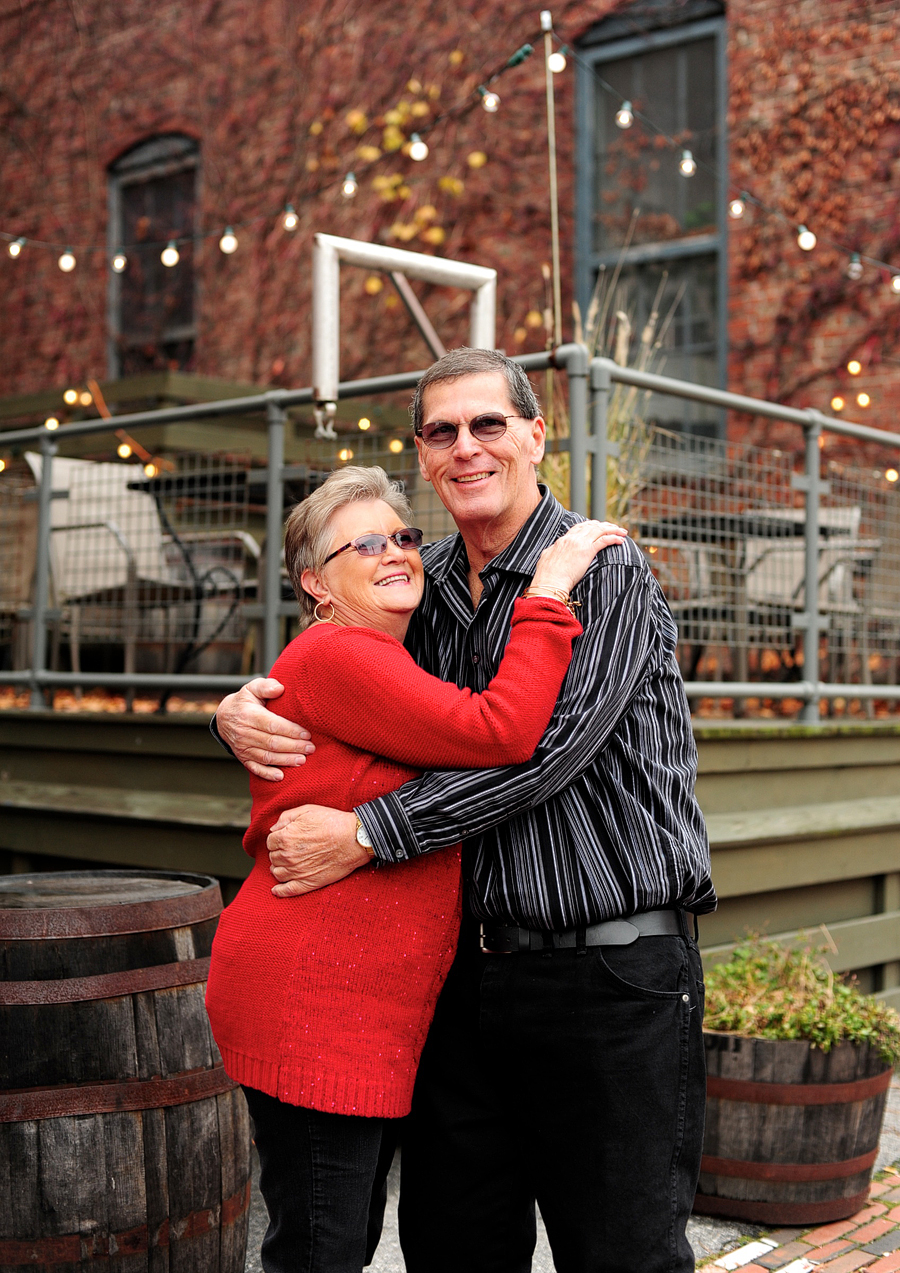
{"x": 600, "y": 388}
{"x": 275, "y": 418}
{"x": 812, "y": 487}
{"x": 575, "y": 358}
{"x": 547, "y": 28}
{"x": 42, "y": 572}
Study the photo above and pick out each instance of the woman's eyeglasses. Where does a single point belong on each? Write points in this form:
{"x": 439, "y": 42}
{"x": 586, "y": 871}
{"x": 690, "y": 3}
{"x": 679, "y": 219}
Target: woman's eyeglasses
{"x": 440, "y": 434}
{"x": 407, "y": 538}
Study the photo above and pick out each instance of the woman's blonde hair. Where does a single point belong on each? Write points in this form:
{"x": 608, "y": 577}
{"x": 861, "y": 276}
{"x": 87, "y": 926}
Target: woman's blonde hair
{"x": 307, "y": 532}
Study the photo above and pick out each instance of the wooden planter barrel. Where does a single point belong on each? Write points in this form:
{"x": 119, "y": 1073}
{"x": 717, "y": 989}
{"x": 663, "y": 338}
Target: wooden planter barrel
{"x": 123, "y": 1143}
{"x": 791, "y": 1131}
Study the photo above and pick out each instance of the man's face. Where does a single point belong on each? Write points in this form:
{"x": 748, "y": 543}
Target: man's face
{"x": 485, "y": 485}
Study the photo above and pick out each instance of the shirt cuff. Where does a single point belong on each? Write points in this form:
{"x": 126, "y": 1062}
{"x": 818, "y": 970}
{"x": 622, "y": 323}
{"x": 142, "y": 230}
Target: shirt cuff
{"x": 390, "y": 830}
{"x": 214, "y": 730}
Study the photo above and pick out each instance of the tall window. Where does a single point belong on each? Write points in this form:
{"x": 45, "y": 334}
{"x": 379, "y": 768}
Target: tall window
{"x": 152, "y": 200}
{"x": 636, "y": 209}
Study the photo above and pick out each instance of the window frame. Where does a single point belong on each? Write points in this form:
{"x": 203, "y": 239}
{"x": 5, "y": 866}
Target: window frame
{"x": 588, "y": 261}
{"x": 130, "y": 169}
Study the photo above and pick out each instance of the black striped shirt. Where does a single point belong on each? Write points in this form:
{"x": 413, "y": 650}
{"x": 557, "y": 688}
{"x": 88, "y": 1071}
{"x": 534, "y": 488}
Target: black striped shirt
{"x": 602, "y": 822}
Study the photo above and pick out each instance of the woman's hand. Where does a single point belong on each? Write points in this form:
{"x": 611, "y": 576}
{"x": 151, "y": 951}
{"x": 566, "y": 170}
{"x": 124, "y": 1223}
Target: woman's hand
{"x": 565, "y": 562}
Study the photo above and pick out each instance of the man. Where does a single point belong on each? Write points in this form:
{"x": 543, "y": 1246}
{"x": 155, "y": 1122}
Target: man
{"x": 565, "y": 1061}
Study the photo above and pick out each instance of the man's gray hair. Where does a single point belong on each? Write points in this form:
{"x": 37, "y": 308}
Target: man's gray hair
{"x": 307, "y": 532}
{"x": 476, "y": 362}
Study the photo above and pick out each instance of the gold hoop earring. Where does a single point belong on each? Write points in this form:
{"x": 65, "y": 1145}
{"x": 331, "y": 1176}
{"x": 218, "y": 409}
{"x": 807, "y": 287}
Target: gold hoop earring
{"x": 318, "y": 618}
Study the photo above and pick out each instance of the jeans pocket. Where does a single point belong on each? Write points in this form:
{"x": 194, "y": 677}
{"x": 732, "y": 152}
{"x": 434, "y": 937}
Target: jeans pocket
{"x": 652, "y": 967}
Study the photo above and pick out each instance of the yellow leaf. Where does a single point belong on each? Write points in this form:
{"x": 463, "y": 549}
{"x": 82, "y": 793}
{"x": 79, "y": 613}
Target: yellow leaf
{"x": 476, "y": 159}
{"x": 519, "y": 335}
{"x": 420, "y": 108}
{"x": 403, "y": 231}
{"x": 312, "y": 164}
{"x": 392, "y": 138}
{"x": 425, "y": 214}
{"x": 316, "y": 127}
{"x": 456, "y": 57}
{"x": 356, "y": 121}
{"x": 393, "y": 118}
{"x": 452, "y": 185}
{"x": 368, "y": 153}
{"x": 413, "y": 86}
{"x": 403, "y": 192}
{"x": 435, "y": 234}
{"x": 534, "y": 318}
{"x": 373, "y": 285}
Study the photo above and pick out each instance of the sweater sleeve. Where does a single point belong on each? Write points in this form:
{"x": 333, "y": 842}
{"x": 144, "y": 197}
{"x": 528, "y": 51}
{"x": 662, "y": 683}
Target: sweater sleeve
{"x": 363, "y": 688}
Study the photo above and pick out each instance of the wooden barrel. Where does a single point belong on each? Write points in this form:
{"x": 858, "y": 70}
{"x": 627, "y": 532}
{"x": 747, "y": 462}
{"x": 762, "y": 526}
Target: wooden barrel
{"x": 791, "y": 1131}
{"x": 122, "y": 1140}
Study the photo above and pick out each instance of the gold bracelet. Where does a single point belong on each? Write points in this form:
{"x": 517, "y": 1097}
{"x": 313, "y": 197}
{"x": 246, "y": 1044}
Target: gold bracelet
{"x": 552, "y": 594}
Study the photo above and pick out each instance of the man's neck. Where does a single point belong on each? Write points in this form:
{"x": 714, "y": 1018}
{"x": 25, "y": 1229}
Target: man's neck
{"x": 485, "y": 541}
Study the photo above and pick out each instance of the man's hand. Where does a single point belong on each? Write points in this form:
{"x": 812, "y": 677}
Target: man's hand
{"x": 312, "y": 846}
{"x": 261, "y": 740}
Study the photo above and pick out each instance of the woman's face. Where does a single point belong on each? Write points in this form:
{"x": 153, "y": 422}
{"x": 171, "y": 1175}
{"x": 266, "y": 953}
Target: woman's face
{"x": 372, "y": 592}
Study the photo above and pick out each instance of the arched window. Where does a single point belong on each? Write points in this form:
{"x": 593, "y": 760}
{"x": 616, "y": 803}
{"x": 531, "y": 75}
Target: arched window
{"x": 152, "y": 201}
{"x": 635, "y": 210}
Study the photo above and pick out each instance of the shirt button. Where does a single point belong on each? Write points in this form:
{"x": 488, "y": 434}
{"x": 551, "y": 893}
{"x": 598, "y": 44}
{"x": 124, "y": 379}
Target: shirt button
{"x": 476, "y": 658}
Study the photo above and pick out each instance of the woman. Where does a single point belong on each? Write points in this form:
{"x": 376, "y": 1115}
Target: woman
{"x": 320, "y": 1004}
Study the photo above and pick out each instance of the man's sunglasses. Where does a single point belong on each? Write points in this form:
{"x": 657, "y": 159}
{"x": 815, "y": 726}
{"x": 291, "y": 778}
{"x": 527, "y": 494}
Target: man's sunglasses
{"x": 440, "y": 434}
{"x": 407, "y": 538}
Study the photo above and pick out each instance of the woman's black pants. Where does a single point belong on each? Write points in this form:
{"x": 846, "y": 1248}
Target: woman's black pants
{"x": 324, "y": 1181}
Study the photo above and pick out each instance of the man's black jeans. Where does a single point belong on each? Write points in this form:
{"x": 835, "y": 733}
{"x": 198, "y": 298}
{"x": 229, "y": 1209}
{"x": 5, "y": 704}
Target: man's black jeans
{"x": 324, "y": 1181}
{"x": 575, "y": 1079}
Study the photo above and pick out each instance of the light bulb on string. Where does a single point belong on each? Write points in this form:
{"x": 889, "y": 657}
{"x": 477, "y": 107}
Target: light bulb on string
{"x": 3, "y": 466}
{"x": 395, "y": 446}
{"x": 625, "y": 115}
{"x": 863, "y": 399}
{"x": 119, "y": 261}
{"x": 290, "y": 220}
{"x": 70, "y": 397}
{"x": 837, "y": 403}
{"x": 170, "y": 255}
{"x": 895, "y": 282}
{"x": 151, "y": 469}
{"x": 364, "y": 423}
{"x": 67, "y": 261}
{"x": 123, "y": 451}
{"x": 805, "y": 238}
{"x": 489, "y": 100}
{"x": 418, "y": 149}
{"x": 736, "y": 209}
{"x": 687, "y": 164}
{"x": 345, "y": 454}
{"x": 15, "y": 248}
{"x": 51, "y": 424}
{"x": 349, "y": 187}
{"x": 228, "y": 242}
{"x": 557, "y": 61}
{"x": 892, "y": 475}
{"x": 855, "y": 267}
{"x": 85, "y": 398}
{"x": 854, "y": 366}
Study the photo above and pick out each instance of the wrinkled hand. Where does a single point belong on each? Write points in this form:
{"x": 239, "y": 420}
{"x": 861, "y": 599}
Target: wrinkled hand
{"x": 261, "y": 740}
{"x": 564, "y": 562}
{"x": 310, "y": 847}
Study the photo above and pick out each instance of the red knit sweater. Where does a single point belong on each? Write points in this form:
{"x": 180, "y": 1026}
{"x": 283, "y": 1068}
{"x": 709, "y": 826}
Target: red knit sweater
{"x": 324, "y": 1000}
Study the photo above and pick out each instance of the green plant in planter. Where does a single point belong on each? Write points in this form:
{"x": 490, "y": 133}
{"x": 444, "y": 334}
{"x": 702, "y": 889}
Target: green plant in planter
{"x": 768, "y": 991}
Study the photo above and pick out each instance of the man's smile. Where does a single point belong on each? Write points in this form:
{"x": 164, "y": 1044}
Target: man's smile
{"x": 472, "y": 477}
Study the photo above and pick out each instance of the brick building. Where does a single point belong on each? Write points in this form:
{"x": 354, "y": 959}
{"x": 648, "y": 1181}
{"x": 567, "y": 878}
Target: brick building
{"x": 125, "y": 127}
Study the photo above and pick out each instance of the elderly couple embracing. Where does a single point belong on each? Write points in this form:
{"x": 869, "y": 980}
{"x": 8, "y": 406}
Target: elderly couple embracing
{"x": 473, "y": 783}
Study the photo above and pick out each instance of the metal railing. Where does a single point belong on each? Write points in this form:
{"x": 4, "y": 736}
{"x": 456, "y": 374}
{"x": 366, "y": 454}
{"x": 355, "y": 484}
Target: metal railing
{"x": 792, "y": 555}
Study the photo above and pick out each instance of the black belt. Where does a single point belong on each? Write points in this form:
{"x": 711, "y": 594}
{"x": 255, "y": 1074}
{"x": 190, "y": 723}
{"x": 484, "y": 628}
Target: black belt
{"x": 500, "y": 939}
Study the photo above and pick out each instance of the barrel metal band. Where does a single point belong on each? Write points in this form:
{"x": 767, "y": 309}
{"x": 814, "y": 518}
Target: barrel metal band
{"x": 744, "y": 1169}
{"x": 108, "y": 921}
{"x": 23, "y": 1104}
{"x": 797, "y": 1093}
{"x": 107, "y": 985}
{"x": 73, "y": 1248}
{"x": 794, "y": 1213}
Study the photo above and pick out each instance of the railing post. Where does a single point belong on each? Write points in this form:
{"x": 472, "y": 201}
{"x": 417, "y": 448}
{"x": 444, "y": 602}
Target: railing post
{"x": 42, "y": 573}
{"x": 275, "y": 418}
{"x": 575, "y": 358}
{"x": 812, "y": 486}
{"x": 601, "y": 384}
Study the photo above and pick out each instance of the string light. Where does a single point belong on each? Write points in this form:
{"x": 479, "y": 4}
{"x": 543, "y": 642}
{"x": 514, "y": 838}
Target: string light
{"x": 892, "y": 475}
{"x": 151, "y": 470}
{"x": 364, "y": 423}
{"x": 837, "y": 403}
{"x": 119, "y": 261}
{"x": 170, "y": 255}
{"x": 345, "y": 454}
{"x": 85, "y": 398}
{"x": 15, "y": 248}
{"x": 290, "y": 220}
{"x": 3, "y": 466}
{"x": 51, "y": 423}
{"x": 736, "y": 209}
{"x": 805, "y": 238}
{"x": 895, "y": 283}
{"x": 557, "y": 61}
{"x": 489, "y": 100}
{"x": 350, "y": 187}
{"x": 70, "y": 397}
{"x": 123, "y": 450}
{"x": 855, "y": 267}
{"x": 625, "y": 115}
{"x": 688, "y": 164}
{"x": 854, "y": 366}
{"x": 395, "y": 446}
{"x": 228, "y": 242}
{"x": 67, "y": 261}
{"x": 418, "y": 149}
{"x": 863, "y": 399}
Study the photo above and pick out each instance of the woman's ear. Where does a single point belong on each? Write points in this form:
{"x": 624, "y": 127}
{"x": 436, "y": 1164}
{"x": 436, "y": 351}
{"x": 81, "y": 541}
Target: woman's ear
{"x": 311, "y": 583}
